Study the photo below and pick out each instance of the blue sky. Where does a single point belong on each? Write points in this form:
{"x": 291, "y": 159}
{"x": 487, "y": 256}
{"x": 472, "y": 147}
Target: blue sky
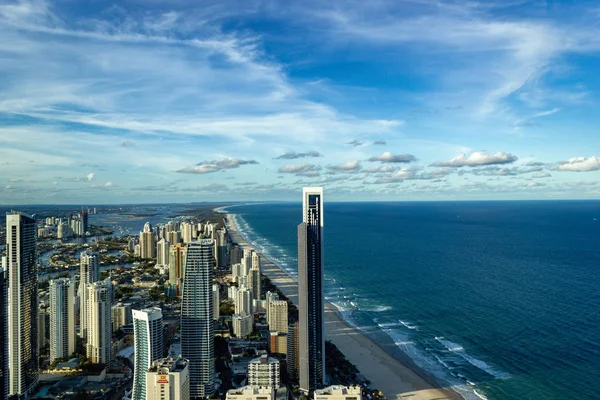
{"x": 152, "y": 101}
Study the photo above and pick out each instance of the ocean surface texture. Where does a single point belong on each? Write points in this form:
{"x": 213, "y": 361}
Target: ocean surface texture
{"x": 501, "y": 299}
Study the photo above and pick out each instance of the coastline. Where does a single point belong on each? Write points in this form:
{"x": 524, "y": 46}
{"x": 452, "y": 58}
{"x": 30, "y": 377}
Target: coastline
{"x": 397, "y": 379}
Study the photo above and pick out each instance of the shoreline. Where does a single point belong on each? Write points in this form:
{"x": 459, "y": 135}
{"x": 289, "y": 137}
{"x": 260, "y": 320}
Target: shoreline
{"x": 396, "y": 378}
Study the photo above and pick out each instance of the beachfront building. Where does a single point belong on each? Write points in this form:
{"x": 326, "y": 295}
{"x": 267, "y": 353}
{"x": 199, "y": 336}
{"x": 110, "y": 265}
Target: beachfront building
{"x": 121, "y": 315}
{"x": 243, "y": 301}
{"x": 162, "y": 252}
{"x": 270, "y": 297}
{"x": 251, "y": 393}
{"x": 197, "y": 328}
{"x": 62, "y": 318}
{"x": 264, "y": 371}
{"x": 89, "y": 272}
{"x": 99, "y": 307}
{"x": 168, "y": 379}
{"x": 293, "y": 350}
{"x": 278, "y": 322}
{"x": 339, "y": 393}
{"x": 236, "y": 255}
{"x": 148, "y": 342}
{"x": 4, "y": 378}
{"x": 242, "y": 324}
{"x": 254, "y": 273}
{"x": 147, "y": 242}
{"x": 23, "y": 307}
{"x": 310, "y": 291}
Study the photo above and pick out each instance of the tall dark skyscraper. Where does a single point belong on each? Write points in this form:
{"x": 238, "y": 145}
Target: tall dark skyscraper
{"x": 310, "y": 291}
{"x": 23, "y": 303}
{"x": 84, "y": 218}
{"x": 197, "y": 328}
{"x": 4, "y": 379}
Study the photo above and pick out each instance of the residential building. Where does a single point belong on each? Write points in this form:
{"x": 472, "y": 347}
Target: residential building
{"x": 293, "y": 350}
{"x": 147, "y": 242}
{"x": 62, "y": 318}
{"x": 99, "y": 306}
{"x": 216, "y": 301}
{"x": 168, "y": 379}
{"x": 243, "y": 302}
{"x": 338, "y": 392}
{"x": 177, "y": 256}
{"x": 89, "y": 272}
{"x": 148, "y": 342}
{"x": 264, "y": 371}
{"x": 310, "y": 291}
{"x": 242, "y": 324}
{"x": 4, "y": 377}
{"x": 23, "y": 307}
{"x": 197, "y": 328}
{"x": 162, "y": 252}
{"x": 278, "y": 314}
{"x": 251, "y": 393}
{"x": 121, "y": 315}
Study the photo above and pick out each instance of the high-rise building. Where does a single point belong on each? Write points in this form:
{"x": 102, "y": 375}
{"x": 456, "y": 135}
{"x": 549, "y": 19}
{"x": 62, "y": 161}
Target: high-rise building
{"x": 242, "y": 324}
{"x": 99, "y": 335}
{"x": 147, "y": 242}
{"x": 4, "y": 378}
{"x": 89, "y": 272}
{"x": 62, "y": 318}
{"x": 237, "y": 253}
{"x": 23, "y": 303}
{"x": 278, "y": 321}
{"x": 174, "y": 237}
{"x": 121, "y": 315}
{"x": 255, "y": 272}
{"x": 148, "y": 342}
{"x": 197, "y": 328}
{"x": 162, "y": 252}
{"x": 264, "y": 371}
{"x": 310, "y": 291}
{"x": 291, "y": 357}
{"x": 216, "y": 301}
{"x": 177, "y": 255}
{"x": 186, "y": 232}
{"x": 83, "y": 216}
{"x": 41, "y": 329}
{"x": 168, "y": 379}
{"x": 243, "y": 301}
{"x": 270, "y": 297}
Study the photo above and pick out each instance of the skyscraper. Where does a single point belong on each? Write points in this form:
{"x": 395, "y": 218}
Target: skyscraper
{"x": 89, "y": 272}
{"x": 62, "y": 318}
{"x": 23, "y": 303}
{"x": 255, "y": 275}
{"x": 4, "y": 378}
{"x": 148, "y": 341}
{"x": 310, "y": 291}
{"x": 197, "y": 331}
{"x": 99, "y": 305}
{"x": 162, "y": 252}
{"x": 177, "y": 255}
{"x": 147, "y": 242}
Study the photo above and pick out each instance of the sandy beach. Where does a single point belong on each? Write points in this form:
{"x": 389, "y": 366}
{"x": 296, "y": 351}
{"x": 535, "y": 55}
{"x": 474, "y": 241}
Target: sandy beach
{"x": 396, "y": 379}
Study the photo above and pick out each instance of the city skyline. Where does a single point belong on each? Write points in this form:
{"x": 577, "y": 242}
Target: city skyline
{"x": 253, "y": 100}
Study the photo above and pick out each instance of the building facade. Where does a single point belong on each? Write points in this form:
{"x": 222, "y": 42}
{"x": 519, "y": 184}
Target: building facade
{"x": 147, "y": 242}
{"x": 242, "y": 324}
{"x": 197, "y": 328}
{"x": 121, "y": 315}
{"x": 264, "y": 371}
{"x": 177, "y": 256}
{"x": 4, "y": 378}
{"x": 162, "y": 252}
{"x": 338, "y": 392}
{"x": 23, "y": 303}
{"x": 251, "y": 393}
{"x": 89, "y": 272}
{"x": 168, "y": 379}
{"x": 99, "y": 306}
{"x": 62, "y": 318}
{"x": 310, "y": 291}
{"x": 148, "y": 342}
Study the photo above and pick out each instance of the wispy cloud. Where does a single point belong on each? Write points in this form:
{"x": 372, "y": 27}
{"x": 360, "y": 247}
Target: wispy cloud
{"x": 347, "y": 167}
{"x": 300, "y": 169}
{"x": 290, "y": 155}
{"x": 206, "y": 167}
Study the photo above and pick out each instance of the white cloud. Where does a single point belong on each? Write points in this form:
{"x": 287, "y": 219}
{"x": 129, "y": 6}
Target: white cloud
{"x": 205, "y": 167}
{"x": 477, "y": 158}
{"x": 350, "y": 166}
{"x": 90, "y": 176}
{"x": 580, "y": 164}
{"x": 300, "y": 169}
{"x": 388, "y": 157}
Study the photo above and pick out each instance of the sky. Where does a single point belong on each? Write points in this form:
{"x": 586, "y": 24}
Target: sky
{"x": 145, "y": 101}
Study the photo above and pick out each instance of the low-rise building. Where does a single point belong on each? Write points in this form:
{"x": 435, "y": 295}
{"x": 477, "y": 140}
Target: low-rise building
{"x": 337, "y": 392}
{"x": 264, "y": 371}
{"x": 251, "y": 393}
{"x": 168, "y": 379}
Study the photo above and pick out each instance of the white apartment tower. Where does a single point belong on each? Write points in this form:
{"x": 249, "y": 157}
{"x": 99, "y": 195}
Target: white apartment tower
{"x": 255, "y": 271}
{"x": 162, "y": 252}
{"x": 22, "y": 303}
{"x": 243, "y": 301}
{"x": 62, "y": 318}
{"x": 147, "y": 242}
{"x": 264, "y": 371}
{"x": 197, "y": 328}
{"x": 89, "y": 272}
{"x": 168, "y": 379}
{"x": 99, "y": 305}
{"x": 148, "y": 342}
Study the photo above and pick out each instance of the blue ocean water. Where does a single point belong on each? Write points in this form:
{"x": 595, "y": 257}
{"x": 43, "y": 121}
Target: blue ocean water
{"x": 500, "y": 299}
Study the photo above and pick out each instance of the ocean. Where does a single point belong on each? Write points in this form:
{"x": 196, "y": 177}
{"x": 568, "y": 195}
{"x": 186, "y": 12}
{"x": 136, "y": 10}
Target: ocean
{"x": 498, "y": 299}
